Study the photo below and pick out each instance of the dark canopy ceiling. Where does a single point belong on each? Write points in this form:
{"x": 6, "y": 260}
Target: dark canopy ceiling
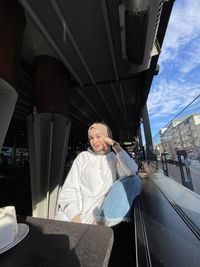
{"x": 108, "y": 48}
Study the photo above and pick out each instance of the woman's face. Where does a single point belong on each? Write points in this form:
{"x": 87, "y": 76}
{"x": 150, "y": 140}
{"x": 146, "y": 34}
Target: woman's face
{"x": 96, "y": 139}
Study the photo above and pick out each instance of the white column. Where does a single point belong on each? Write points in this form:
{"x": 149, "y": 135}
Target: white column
{"x": 48, "y": 135}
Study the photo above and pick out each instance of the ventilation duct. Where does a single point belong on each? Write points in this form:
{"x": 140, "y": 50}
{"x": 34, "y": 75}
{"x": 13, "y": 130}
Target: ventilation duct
{"x": 139, "y": 21}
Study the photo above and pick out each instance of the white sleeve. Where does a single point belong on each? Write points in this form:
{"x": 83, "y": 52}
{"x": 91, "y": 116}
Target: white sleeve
{"x": 69, "y": 198}
{"x": 125, "y": 165}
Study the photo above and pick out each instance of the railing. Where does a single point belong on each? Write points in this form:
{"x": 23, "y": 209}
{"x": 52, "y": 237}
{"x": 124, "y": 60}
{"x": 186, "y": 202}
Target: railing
{"x": 177, "y": 147}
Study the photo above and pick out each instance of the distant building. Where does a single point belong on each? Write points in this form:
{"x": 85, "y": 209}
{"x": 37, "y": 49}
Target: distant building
{"x": 182, "y": 134}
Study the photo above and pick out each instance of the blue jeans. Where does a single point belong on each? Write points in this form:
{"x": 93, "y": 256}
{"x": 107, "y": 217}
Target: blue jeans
{"x": 117, "y": 205}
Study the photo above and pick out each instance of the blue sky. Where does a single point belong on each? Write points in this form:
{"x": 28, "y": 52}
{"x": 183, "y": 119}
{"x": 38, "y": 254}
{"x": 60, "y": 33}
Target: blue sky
{"x": 178, "y": 81}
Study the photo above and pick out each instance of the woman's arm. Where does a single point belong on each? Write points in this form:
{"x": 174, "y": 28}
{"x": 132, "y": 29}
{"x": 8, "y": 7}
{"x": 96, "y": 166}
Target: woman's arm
{"x": 125, "y": 165}
{"x": 69, "y": 198}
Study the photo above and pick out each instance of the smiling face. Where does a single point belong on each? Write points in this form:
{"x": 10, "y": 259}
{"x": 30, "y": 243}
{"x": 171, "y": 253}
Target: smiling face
{"x": 96, "y": 140}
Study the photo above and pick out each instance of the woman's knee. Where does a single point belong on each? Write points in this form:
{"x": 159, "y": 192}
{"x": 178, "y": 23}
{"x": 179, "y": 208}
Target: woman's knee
{"x": 119, "y": 201}
{"x": 132, "y": 183}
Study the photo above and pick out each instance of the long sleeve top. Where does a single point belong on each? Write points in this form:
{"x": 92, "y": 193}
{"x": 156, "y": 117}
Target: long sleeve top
{"x": 89, "y": 180}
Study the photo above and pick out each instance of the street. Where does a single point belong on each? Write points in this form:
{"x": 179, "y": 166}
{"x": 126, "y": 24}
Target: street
{"x": 174, "y": 173}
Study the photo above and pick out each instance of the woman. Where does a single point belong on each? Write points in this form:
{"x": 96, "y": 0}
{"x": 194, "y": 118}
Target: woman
{"x": 91, "y": 192}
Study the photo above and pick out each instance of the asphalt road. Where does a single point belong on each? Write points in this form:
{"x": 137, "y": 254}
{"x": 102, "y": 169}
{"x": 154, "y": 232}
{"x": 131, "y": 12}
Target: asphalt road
{"x": 174, "y": 173}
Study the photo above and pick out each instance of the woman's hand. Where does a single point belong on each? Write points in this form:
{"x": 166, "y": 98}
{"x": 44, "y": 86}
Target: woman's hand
{"x": 108, "y": 141}
{"x": 76, "y": 219}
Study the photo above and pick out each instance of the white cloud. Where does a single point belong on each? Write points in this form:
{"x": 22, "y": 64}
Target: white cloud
{"x": 191, "y": 60}
{"x": 183, "y": 27}
{"x": 178, "y": 82}
{"x": 170, "y": 97}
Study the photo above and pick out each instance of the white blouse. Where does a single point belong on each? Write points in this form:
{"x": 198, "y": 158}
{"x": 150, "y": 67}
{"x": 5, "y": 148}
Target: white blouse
{"x": 89, "y": 180}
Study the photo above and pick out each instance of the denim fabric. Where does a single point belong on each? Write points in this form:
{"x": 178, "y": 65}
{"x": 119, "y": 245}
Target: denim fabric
{"x": 116, "y": 206}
